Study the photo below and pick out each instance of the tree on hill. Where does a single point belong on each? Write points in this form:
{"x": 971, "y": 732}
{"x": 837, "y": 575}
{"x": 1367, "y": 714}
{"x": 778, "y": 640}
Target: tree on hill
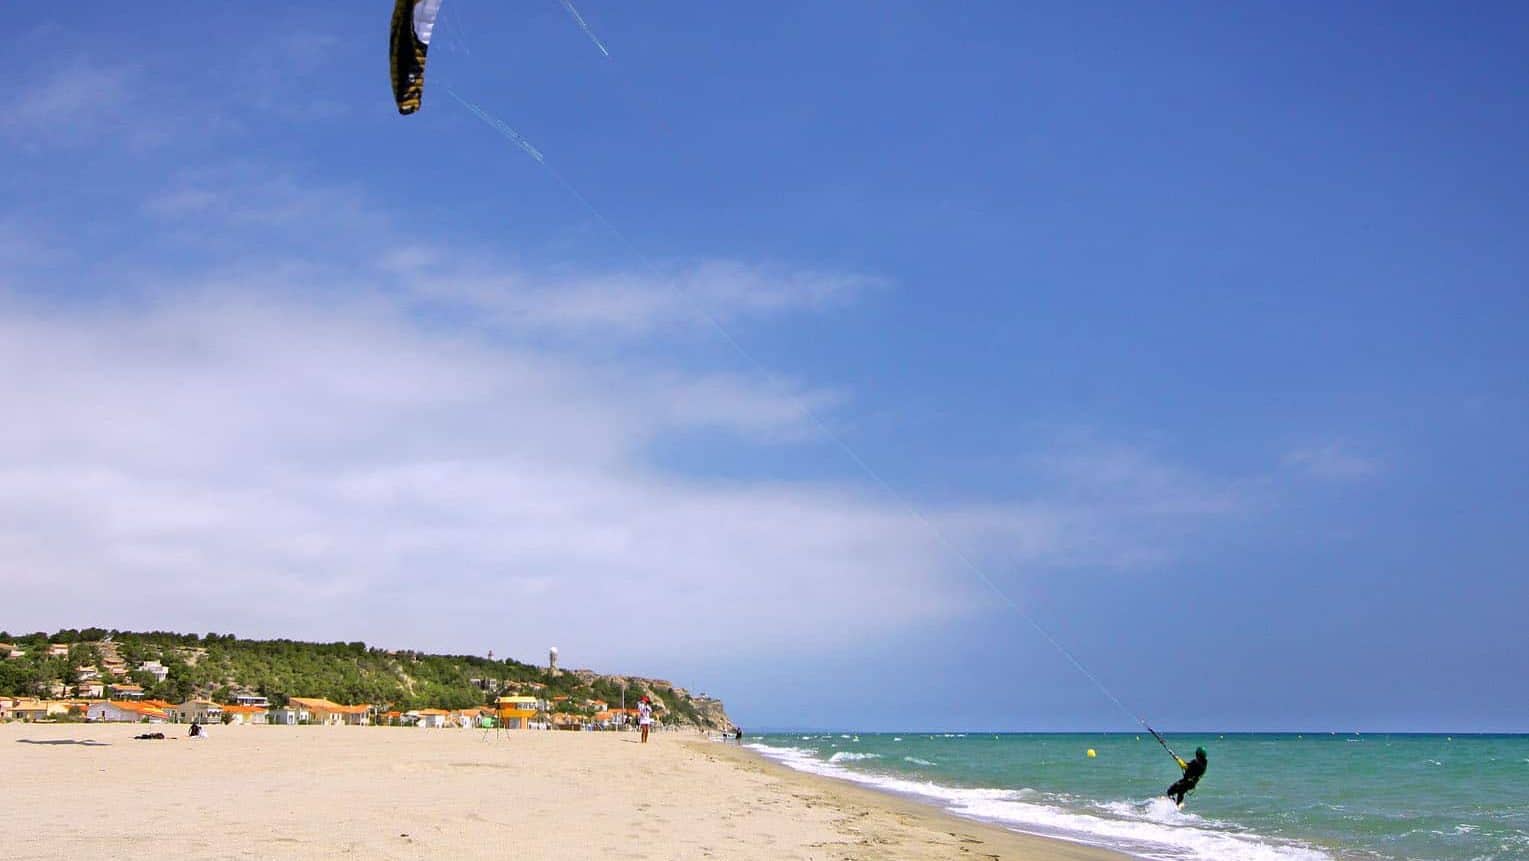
{"x": 222, "y": 666}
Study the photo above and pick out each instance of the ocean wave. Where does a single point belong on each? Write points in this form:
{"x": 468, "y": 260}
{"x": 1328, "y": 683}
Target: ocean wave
{"x": 850, "y": 756}
{"x": 916, "y": 761}
{"x": 1155, "y": 829}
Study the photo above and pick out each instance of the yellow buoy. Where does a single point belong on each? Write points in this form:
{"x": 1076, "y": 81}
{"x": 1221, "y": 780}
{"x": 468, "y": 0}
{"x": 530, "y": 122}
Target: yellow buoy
{"x": 1091, "y": 753}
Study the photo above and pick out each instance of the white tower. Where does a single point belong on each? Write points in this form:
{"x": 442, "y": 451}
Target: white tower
{"x": 552, "y": 660}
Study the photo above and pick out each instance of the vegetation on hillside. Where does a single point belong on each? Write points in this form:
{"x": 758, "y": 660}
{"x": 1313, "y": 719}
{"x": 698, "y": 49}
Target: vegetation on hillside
{"x": 219, "y": 666}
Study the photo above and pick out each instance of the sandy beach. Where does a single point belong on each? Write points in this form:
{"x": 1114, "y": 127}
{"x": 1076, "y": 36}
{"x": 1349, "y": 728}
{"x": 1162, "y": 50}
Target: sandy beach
{"x": 323, "y": 792}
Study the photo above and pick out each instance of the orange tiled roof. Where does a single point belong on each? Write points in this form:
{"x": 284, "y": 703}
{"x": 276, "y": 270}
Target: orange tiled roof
{"x": 242, "y": 710}
{"x": 138, "y": 708}
{"x": 329, "y": 705}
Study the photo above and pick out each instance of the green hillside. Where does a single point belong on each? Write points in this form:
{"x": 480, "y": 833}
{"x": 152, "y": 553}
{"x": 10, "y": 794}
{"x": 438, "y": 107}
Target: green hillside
{"x": 218, "y": 666}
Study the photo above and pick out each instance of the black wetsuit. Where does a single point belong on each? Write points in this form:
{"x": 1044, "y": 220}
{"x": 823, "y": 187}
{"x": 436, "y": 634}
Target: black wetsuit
{"x": 1193, "y": 771}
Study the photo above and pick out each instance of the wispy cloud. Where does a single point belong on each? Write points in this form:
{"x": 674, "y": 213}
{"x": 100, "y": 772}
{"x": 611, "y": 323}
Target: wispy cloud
{"x": 283, "y": 465}
{"x": 1332, "y": 460}
{"x": 75, "y": 102}
{"x": 253, "y": 459}
{"x": 243, "y": 204}
{"x": 636, "y": 303}
{"x": 300, "y": 445}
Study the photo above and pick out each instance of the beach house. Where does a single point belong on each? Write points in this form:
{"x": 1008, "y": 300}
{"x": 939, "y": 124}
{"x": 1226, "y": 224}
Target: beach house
{"x": 200, "y": 711}
{"x": 247, "y": 698}
{"x": 124, "y": 691}
{"x": 240, "y": 715}
{"x": 611, "y": 718}
{"x": 25, "y": 709}
{"x": 285, "y": 716}
{"x": 91, "y": 688}
{"x": 467, "y": 717}
{"x": 431, "y": 718}
{"x": 124, "y": 712}
{"x": 58, "y": 650}
{"x": 320, "y": 710}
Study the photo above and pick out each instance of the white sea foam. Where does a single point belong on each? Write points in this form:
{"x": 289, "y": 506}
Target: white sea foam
{"x": 849, "y": 756}
{"x": 916, "y": 761}
{"x": 1154, "y": 829}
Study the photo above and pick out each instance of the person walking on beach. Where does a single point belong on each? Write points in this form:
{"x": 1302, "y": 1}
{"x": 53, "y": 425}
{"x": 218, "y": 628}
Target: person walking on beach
{"x": 645, "y": 717}
{"x": 1193, "y": 771}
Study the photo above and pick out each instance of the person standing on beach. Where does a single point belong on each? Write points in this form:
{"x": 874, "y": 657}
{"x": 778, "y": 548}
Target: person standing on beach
{"x": 645, "y": 717}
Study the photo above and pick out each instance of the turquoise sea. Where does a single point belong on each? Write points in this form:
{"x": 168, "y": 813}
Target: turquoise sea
{"x": 1265, "y": 796}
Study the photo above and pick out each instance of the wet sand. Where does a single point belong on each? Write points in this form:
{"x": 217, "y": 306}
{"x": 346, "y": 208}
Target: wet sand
{"x": 378, "y": 792}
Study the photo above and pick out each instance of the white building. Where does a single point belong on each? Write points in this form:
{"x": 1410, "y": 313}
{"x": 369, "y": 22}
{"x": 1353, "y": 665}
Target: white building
{"x": 123, "y": 712}
{"x": 204, "y": 711}
{"x": 154, "y": 668}
{"x": 286, "y": 716}
{"x": 432, "y": 718}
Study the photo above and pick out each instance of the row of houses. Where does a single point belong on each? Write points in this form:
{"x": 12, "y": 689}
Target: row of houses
{"x": 511, "y": 712}
{"x": 254, "y": 710}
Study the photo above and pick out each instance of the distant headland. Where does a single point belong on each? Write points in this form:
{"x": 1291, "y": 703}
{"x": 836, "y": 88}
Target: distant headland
{"x": 63, "y": 673}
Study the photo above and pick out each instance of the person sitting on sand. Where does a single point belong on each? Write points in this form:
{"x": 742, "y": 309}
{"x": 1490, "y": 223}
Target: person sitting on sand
{"x": 1193, "y": 771}
{"x": 644, "y": 717}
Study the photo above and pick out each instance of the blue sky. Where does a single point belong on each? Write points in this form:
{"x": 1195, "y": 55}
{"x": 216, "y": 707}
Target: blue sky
{"x": 1200, "y": 331}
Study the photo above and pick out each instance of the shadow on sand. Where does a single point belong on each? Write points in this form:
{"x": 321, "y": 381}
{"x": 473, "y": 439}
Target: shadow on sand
{"x": 89, "y": 742}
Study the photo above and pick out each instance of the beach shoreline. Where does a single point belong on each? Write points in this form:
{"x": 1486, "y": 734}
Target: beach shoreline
{"x": 379, "y": 792}
{"x": 982, "y": 839}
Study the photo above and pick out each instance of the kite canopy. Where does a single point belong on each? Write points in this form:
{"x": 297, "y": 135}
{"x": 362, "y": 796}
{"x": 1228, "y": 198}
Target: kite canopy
{"x": 413, "y": 22}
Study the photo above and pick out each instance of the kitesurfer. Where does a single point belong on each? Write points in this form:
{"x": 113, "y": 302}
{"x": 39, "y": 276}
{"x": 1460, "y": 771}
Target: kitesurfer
{"x": 1193, "y": 771}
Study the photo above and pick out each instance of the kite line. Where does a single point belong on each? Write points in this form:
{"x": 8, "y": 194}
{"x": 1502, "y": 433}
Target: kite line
{"x": 828, "y": 432}
{"x": 409, "y": 39}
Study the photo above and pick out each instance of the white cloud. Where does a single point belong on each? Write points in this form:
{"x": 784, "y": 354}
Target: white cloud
{"x": 279, "y": 466}
{"x": 288, "y": 447}
{"x": 1333, "y": 460}
{"x": 626, "y": 303}
{"x": 70, "y": 94}
{"x": 274, "y": 465}
{"x": 77, "y": 102}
